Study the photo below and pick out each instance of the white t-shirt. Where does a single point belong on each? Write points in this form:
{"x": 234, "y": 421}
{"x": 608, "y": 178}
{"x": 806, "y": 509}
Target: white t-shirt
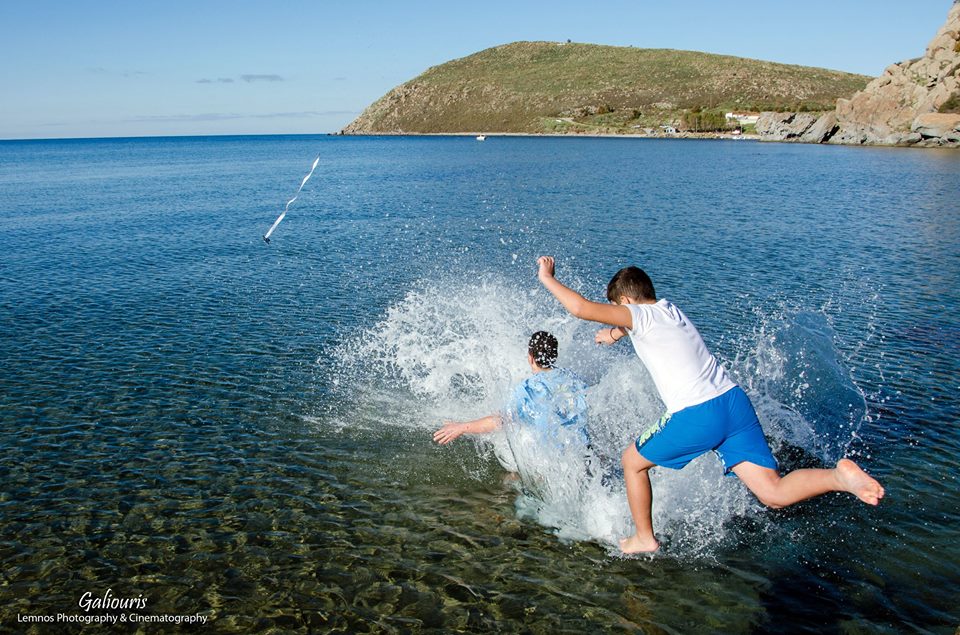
{"x": 669, "y": 345}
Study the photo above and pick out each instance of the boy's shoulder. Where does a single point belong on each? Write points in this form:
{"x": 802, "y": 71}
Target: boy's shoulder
{"x": 661, "y": 313}
{"x": 558, "y": 377}
{"x": 662, "y": 304}
{"x": 563, "y": 378}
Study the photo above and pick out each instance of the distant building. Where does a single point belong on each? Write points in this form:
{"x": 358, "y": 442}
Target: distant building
{"x": 743, "y": 118}
{"x": 668, "y": 129}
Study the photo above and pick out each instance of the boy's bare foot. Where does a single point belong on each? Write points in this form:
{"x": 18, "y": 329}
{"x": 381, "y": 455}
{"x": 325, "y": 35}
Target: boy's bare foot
{"x": 634, "y": 544}
{"x": 854, "y": 480}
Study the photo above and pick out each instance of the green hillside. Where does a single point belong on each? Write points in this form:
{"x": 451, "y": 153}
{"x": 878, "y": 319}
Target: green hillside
{"x": 555, "y": 87}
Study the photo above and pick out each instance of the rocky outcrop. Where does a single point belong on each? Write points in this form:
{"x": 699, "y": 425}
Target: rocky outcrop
{"x": 802, "y": 127}
{"x": 916, "y": 102}
{"x": 822, "y": 130}
{"x": 783, "y": 126}
{"x": 937, "y": 125}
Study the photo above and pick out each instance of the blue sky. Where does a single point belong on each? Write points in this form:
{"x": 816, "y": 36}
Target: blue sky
{"x": 111, "y": 68}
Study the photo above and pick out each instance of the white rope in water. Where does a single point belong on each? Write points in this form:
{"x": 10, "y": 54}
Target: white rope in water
{"x": 266, "y": 237}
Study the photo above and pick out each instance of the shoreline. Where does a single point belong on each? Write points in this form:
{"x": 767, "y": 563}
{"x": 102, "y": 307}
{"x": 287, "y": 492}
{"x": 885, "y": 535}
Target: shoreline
{"x": 683, "y": 136}
{"x": 688, "y": 136}
{"x": 596, "y": 135}
{"x": 387, "y": 134}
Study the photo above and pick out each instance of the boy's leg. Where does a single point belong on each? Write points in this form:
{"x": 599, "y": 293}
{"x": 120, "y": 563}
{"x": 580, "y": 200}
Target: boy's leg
{"x": 640, "y": 498}
{"x": 776, "y": 491}
{"x": 747, "y": 450}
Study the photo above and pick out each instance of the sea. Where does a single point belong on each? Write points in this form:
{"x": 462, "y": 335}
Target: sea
{"x": 197, "y": 423}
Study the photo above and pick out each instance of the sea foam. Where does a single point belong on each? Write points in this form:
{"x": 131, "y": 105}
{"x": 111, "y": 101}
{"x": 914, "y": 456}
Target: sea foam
{"x": 454, "y": 349}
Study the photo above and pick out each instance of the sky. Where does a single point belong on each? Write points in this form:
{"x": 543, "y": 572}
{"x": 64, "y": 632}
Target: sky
{"x": 109, "y": 68}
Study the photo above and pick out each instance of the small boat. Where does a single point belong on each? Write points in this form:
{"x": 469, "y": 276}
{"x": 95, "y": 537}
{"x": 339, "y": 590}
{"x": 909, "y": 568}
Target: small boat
{"x": 481, "y": 137}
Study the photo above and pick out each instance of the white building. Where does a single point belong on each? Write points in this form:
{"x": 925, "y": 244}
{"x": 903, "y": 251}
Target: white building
{"x": 743, "y": 118}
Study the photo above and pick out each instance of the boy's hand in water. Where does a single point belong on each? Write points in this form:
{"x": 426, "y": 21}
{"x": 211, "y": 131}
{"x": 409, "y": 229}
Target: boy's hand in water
{"x": 449, "y": 432}
{"x": 547, "y": 267}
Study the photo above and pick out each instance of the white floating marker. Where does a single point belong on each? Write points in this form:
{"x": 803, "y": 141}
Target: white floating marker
{"x": 266, "y": 237}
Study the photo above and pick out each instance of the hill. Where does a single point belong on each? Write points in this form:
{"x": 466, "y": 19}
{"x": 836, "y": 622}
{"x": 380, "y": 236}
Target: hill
{"x": 537, "y": 87}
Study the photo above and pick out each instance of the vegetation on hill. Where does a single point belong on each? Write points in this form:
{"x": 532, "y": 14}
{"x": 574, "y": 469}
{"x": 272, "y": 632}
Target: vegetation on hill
{"x": 555, "y": 87}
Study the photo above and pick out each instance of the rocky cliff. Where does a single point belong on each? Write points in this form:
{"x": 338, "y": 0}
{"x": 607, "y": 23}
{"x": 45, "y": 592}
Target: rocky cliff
{"x": 916, "y": 102}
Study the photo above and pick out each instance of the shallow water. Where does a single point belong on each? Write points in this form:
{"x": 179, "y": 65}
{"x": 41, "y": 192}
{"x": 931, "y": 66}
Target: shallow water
{"x": 244, "y": 431}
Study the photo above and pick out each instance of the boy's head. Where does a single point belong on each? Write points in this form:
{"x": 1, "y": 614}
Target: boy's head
{"x": 543, "y": 349}
{"x": 632, "y": 283}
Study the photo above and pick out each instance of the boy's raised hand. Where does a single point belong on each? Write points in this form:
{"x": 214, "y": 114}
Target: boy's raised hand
{"x": 577, "y": 305}
{"x": 547, "y": 267}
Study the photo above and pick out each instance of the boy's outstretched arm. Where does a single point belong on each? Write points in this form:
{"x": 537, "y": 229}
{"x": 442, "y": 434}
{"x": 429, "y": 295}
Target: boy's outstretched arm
{"x": 453, "y": 429}
{"x": 576, "y": 304}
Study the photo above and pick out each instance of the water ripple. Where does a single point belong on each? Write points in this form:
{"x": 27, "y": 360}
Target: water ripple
{"x": 243, "y": 431}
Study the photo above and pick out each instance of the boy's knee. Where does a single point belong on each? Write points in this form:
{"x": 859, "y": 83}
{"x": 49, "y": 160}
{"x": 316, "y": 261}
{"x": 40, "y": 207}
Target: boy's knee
{"x": 631, "y": 459}
{"x": 770, "y": 500}
{"x": 763, "y": 482}
{"x": 768, "y": 495}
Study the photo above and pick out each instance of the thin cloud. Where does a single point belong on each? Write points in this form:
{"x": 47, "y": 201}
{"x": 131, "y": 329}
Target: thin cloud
{"x": 261, "y": 78}
{"x": 100, "y": 70}
{"x": 226, "y": 116}
{"x": 205, "y": 116}
{"x": 305, "y": 113}
{"x": 219, "y": 80}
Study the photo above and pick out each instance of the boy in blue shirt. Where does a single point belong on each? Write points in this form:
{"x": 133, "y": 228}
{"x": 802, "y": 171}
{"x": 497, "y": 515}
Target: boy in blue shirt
{"x": 552, "y": 400}
{"x": 706, "y": 410}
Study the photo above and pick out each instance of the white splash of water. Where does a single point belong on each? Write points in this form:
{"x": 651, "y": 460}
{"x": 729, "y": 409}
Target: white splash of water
{"x": 799, "y": 384}
{"x": 454, "y": 350}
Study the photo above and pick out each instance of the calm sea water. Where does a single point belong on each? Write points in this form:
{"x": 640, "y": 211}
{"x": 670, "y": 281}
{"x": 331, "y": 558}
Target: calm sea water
{"x": 243, "y": 431}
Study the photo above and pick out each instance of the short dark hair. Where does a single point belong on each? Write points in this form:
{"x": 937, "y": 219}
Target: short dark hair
{"x": 543, "y": 349}
{"x": 632, "y": 282}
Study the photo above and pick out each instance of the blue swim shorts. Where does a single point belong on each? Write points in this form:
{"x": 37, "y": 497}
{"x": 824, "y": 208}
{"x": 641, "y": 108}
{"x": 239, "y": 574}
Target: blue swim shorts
{"x": 727, "y": 424}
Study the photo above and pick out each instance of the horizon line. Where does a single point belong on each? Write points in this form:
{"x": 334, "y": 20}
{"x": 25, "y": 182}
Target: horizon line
{"x": 171, "y": 136}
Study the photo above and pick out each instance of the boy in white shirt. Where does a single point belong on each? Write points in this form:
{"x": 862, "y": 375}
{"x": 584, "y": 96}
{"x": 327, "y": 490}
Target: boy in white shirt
{"x": 706, "y": 410}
